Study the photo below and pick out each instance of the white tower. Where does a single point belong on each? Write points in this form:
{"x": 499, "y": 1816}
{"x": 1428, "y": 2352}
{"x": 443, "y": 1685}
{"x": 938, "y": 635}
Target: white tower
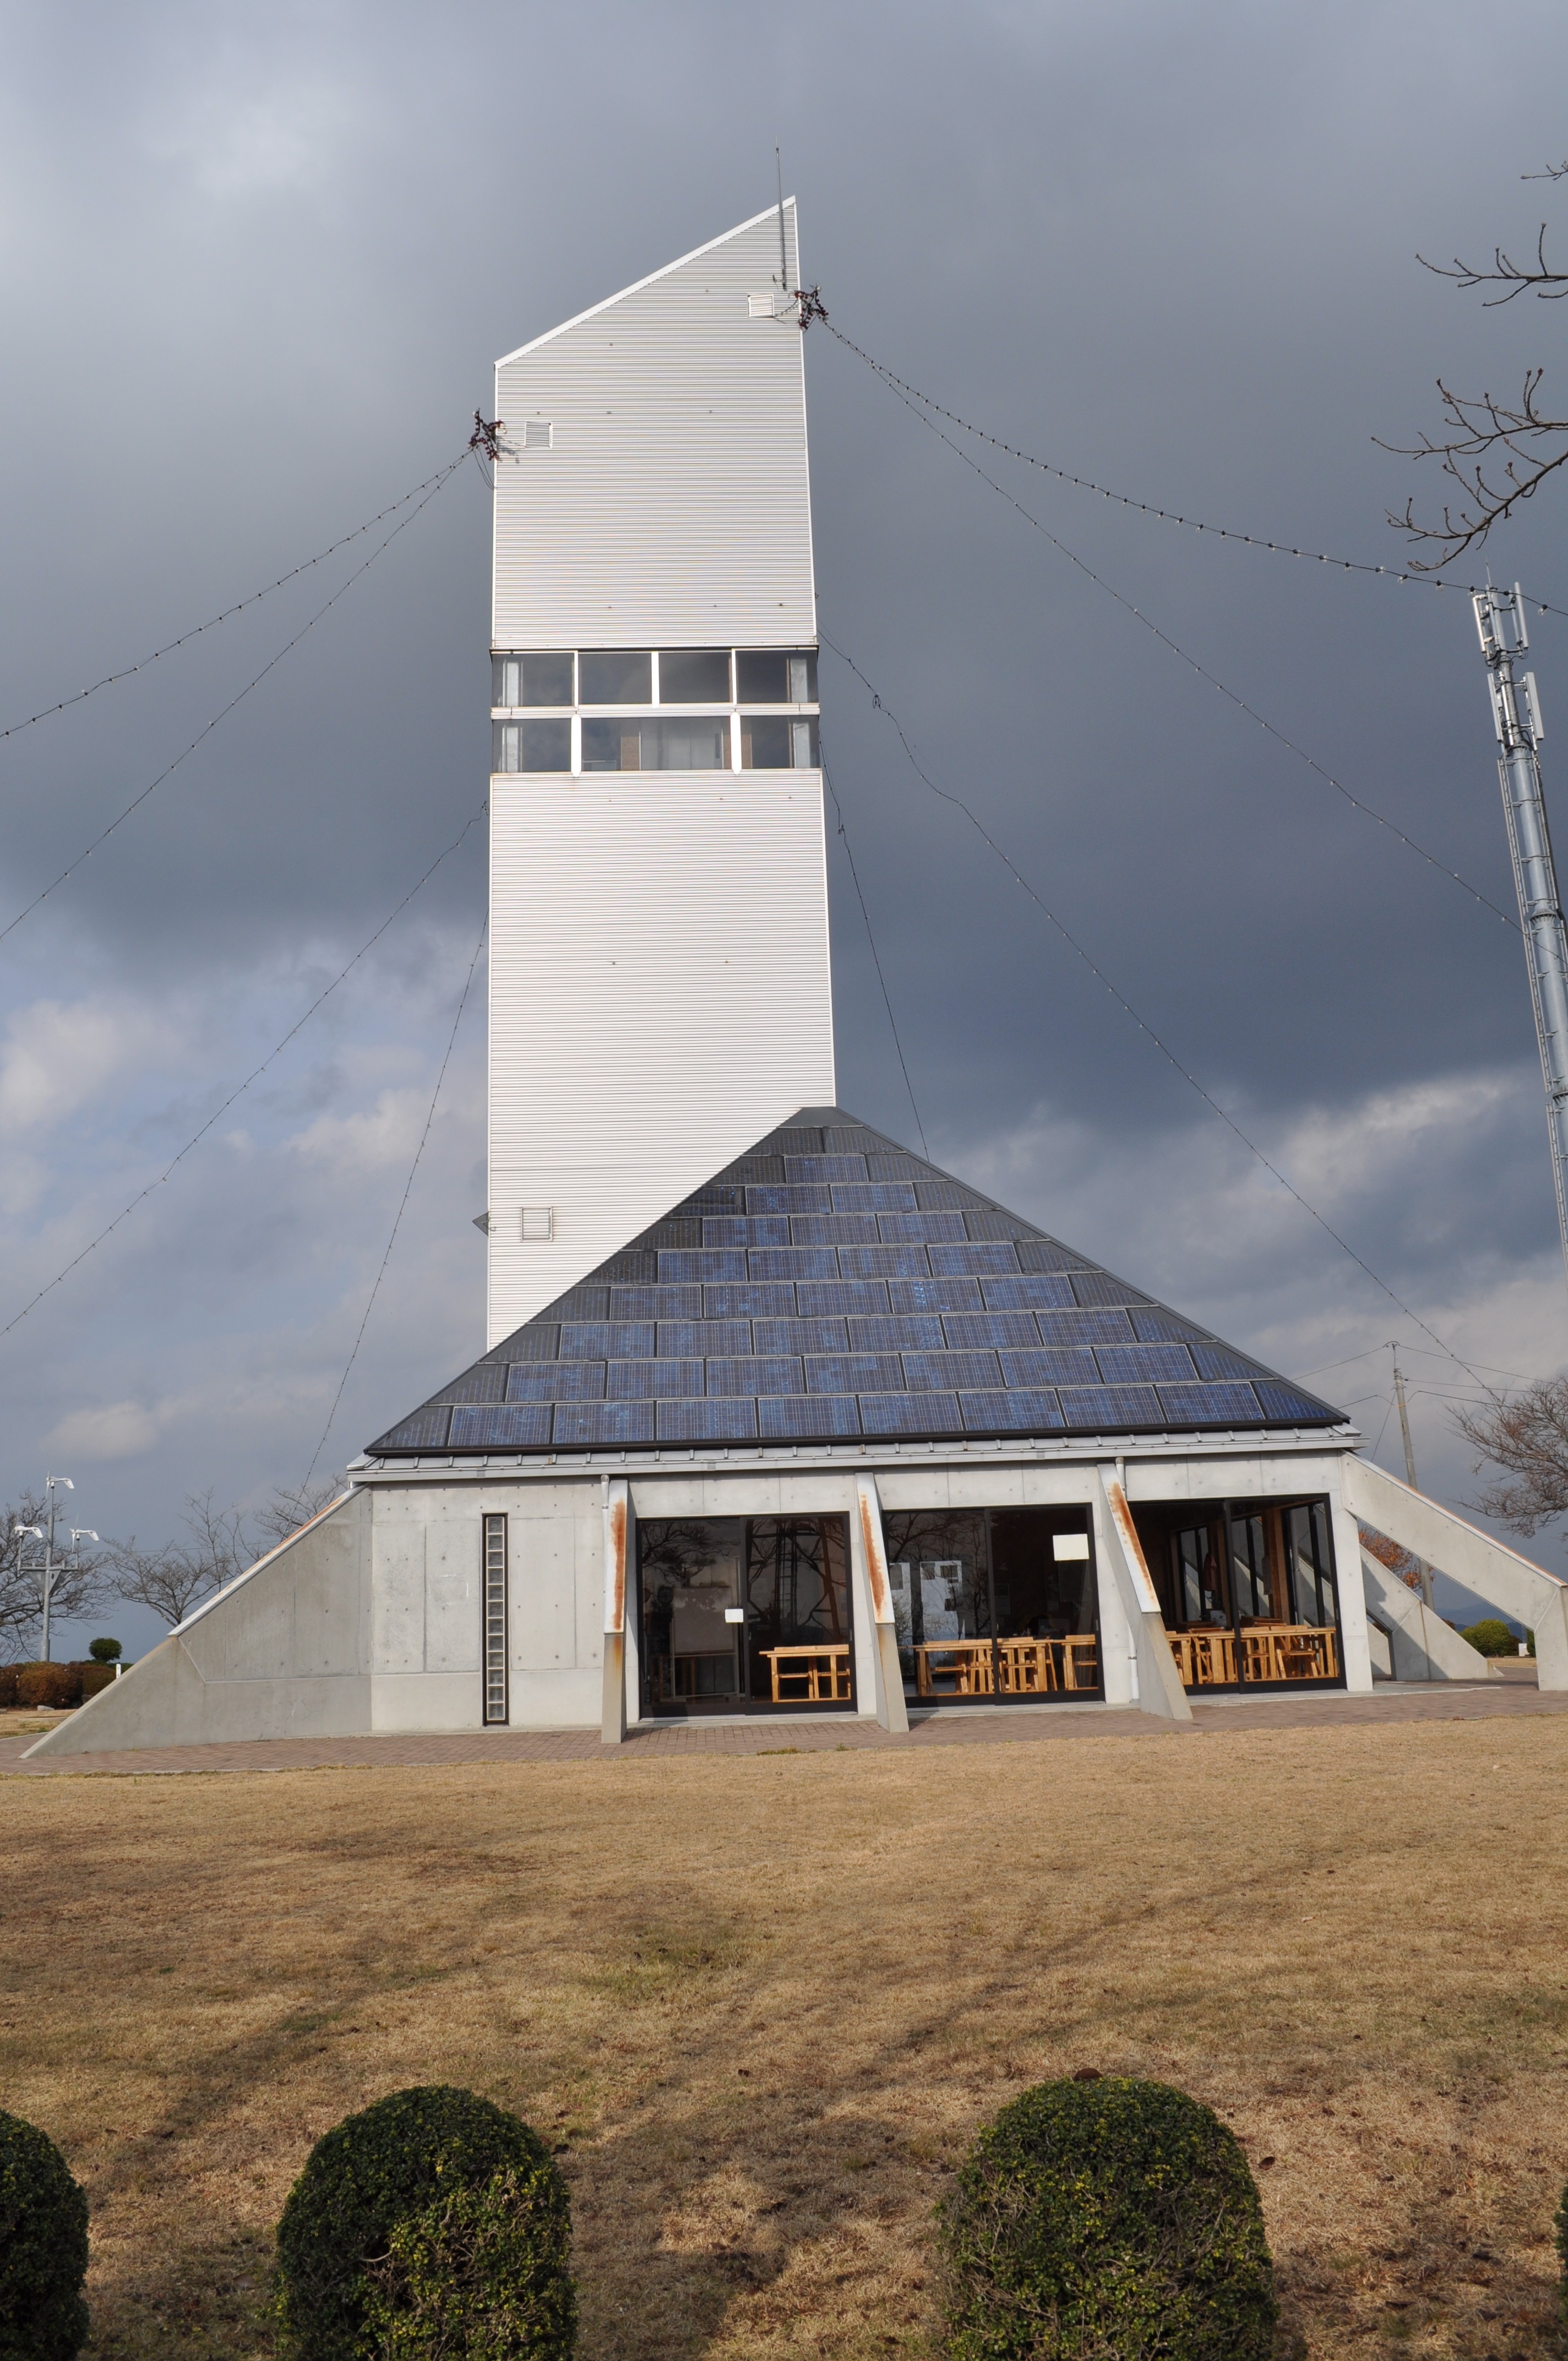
{"x": 659, "y": 963}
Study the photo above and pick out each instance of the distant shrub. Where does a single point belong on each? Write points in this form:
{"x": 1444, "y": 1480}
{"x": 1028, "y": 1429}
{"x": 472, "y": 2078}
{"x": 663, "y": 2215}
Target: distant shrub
{"x": 1492, "y": 1637}
{"x": 105, "y": 1651}
{"x": 95, "y": 1677}
{"x": 430, "y": 2227}
{"x": 9, "y": 1675}
{"x": 56, "y": 1686}
{"x": 1107, "y": 2217}
{"x": 43, "y": 2248}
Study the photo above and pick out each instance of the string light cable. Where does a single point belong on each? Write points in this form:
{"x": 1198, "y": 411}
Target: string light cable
{"x": 876, "y": 959}
{"x": 1203, "y": 673}
{"x": 238, "y": 699}
{"x": 128, "y": 671}
{"x": 1413, "y": 573}
{"x": 947, "y": 795}
{"x": 403, "y": 1205}
{"x": 238, "y": 1092}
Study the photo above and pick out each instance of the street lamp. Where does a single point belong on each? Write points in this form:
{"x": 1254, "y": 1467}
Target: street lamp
{"x": 50, "y": 1567}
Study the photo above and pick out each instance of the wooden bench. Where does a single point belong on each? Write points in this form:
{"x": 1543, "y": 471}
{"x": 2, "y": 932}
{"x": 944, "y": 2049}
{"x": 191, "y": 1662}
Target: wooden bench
{"x": 816, "y": 1675}
{"x": 1019, "y": 1668}
{"x": 972, "y": 1669}
{"x": 1206, "y": 1657}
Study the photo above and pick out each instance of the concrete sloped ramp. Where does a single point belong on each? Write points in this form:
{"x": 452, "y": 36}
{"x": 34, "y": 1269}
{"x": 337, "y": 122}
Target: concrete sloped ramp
{"x": 1422, "y": 1646}
{"x": 1527, "y": 1593}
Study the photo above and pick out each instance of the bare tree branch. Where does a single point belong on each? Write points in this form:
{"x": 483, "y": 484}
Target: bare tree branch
{"x": 293, "y": 1505}
{"x": 79, "y": 1587}
{"x": 1521, "y": 445}
{"x": 1526, "y": 1437}
{"x": 1550, "y": 285}
{"x": 173, "y": 1580}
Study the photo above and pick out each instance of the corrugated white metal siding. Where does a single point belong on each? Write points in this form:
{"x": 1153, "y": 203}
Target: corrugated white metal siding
{"x": 672, "y": 506}
{"x": 659, "y": 998}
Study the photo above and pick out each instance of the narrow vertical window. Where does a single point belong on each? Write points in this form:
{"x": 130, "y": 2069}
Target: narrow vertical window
{"x": 494, "y": 1618}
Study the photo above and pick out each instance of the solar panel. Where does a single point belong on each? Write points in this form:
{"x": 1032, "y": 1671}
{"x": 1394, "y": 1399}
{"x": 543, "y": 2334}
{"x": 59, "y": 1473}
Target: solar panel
{"x": 1084, "y": 1327}
{"x": 934, "y": 1196}
{"x": 928, "y": 1372}
{"x": 632, "y": 1269}
{"x": 949, "y": 1260}
{"x": 913, "y": 1332}
{"x": 678, "y": 1338}
{"x": 851, "y": 1139}
{"x": 935, "y": 1295}
{"x": 883, "y": 1262}
{"x": 523, "y": 1428}
{"x": 1051, "y": 1365}
{"x": 1287, "y": 1403}
{"x": 799, "y": 1335}
{"x": 786, "y": 1418}
{"x": 1219, "y": 1361}
{"x": 655, "y": 1303}
{"x": 581, "y": 1424}
{"x": 1197, "y": 1405}
{"x": 826, "y": 1168}
{"x": 1100, "y": 1409}
{"x": 540, "y": 1341}
{"x": 1049, "y": 1253}
{"x": 543, "y": 1381}
{"x": 1161, "y": 1364}
{"x": 852, "y": 1373}
{"x": 820, "y": 1295}
{"x": 781, "y": 1199}
{"x": 606, "y": 1340}
{"x": 791, "y": 1262}
{"x": 833, "y": 1230}
{"x": 759, "y": 1373}
{"x": 579, "y": 1304}
{"x": 968, "y": 1331}
{"x": 426, "y": 1430}
{"x": 1099, "y": 1287}
{"x": 745, "y": 1230}
{"x": 746, "y": 1170}
{"x": 890, "y": 1164}
{"x": 749, "y": 1303}
{"x": 910, "y": 1414}
{"x": 653, "y": 1380}
{"x": 706, "y": 1265}
{"x": 1024, "y": 1410}
{"x": 706, "y": 1422}
{"x": 485, "y": 1382}
{"x": 985, "y": 1222}
{"x": 1158, "y": 1326}
{"x": 874, "y": 1197}
{"x": 897, "y": 1226}
{"x": 1034, "y": 1293}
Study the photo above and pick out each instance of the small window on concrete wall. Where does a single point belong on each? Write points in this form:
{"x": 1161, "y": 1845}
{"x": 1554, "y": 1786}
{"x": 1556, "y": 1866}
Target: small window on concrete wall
{"x": 495, "y": 1634}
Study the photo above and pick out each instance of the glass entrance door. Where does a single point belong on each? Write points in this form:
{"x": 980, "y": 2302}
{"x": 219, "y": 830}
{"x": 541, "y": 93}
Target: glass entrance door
{"x": 744, "y": 1615}
{"x": 994, "y": 1604}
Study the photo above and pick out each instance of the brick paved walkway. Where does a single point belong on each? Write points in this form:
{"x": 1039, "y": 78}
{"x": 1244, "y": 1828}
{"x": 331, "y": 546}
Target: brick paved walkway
{"x": 1456, "y": 1701}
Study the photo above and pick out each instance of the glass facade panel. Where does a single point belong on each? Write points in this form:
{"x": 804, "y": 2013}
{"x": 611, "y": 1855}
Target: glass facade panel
{"x": 745, "y": 1614}
{"x": 771, "y": 741}
{"x": 693, "y": 677}
{"x": 531, "y": 680}
{"x": 690, "y": 744}
{"x": 1247, "y": 1590}
{"x": 615, "y": 677}
{"x": 776, "y": 675}
{"x": 999, "y": 1604}
{"x": 530, "y": 745}
{"x": 1251, "y": 1588}
{"x": 1312, "y": 1599}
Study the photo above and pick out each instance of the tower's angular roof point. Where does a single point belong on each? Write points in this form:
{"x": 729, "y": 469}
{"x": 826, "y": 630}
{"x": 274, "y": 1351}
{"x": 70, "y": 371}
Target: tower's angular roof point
{"x": 830, "y": 1286}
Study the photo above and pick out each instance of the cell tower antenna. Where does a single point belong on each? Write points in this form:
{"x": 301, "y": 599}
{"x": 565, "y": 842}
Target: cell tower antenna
{"x": 1516, "y": 716}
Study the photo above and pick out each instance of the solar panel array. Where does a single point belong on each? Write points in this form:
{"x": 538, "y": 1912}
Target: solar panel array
{"x": 829, "y": 1285}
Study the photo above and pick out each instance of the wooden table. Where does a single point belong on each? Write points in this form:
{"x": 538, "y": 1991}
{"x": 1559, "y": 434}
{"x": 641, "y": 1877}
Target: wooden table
{"x": 1206, "y": 1657}
{"x": 1027, "y": 1667}
{"x": 973, "y": 1668}
{"x": 817, "y": 1675}
{"x": 1288, "y": 1652}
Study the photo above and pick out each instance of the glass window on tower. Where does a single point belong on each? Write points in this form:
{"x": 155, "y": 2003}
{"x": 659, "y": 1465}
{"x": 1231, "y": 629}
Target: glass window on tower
{"x": 773, "y": 741}
{"x": 693, "y": 677}
{"x": 531, "y": 680}
{"x": 530, "y": 745}
{"x": 776, "y": 675}
{"x": 642, "y": 743}
{"x": 616, "y": 677}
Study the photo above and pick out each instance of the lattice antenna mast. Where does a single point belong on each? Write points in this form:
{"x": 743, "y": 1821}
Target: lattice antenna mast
{"x": 1515, "y": 713}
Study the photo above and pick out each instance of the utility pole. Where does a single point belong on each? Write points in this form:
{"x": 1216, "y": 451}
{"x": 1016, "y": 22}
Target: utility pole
{"x": 1422, "y": 1568}
{"x": 1516, "y": 715}
{"x": 50, "y": 1566}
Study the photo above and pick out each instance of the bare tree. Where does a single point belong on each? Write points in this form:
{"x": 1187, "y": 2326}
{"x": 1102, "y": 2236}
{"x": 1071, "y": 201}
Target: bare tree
{"x": 293, "y": 1505}
{"x": 1525, "y": 1435}
{"x": 173, "y": 1580}
{"x": 1498, "y": 454}
{"x": 78, "y": 1581}
{"x": 1399, "y": 1563}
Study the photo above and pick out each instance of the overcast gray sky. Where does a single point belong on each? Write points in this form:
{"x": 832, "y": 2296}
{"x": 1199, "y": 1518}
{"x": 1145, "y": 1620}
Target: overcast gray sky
{"x": 257, "y": 263}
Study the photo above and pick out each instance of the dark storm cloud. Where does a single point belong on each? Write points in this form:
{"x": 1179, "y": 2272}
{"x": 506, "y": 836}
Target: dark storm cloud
{"x": 258, "y": 264}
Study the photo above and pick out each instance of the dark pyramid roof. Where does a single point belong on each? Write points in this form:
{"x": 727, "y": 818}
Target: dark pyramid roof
{"x": 830, "y": 1285}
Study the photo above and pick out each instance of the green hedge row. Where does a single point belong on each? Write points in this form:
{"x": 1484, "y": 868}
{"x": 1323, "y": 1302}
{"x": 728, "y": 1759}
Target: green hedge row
{"x": 1097, "y": 2219}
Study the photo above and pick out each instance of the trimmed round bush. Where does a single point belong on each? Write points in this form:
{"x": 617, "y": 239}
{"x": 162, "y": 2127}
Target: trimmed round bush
{"x": 432, "y": 2225}
{"x": 43, "y": 2248}
{"x": 105, "y": 1651}
{"x": 1492, "y": 1637}
{"x": 1107, "y": 2217}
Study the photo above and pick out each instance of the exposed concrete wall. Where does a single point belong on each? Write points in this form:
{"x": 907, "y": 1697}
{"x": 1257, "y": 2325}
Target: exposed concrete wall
{"x": 281, "y": 1653}
{"x": 1495, "y": 1572}
{"x": 1422, "y": 1646}
{"x": 1145, "y": 1641}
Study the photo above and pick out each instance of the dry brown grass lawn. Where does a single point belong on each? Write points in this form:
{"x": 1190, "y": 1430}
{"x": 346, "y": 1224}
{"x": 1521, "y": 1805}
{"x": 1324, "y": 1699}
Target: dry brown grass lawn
{"x": 763, "y": 2003}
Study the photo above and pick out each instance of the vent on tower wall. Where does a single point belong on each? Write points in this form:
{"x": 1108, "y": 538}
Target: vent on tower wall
{"x": 538, "y": 434}
{"x": 539, "y": 1221}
